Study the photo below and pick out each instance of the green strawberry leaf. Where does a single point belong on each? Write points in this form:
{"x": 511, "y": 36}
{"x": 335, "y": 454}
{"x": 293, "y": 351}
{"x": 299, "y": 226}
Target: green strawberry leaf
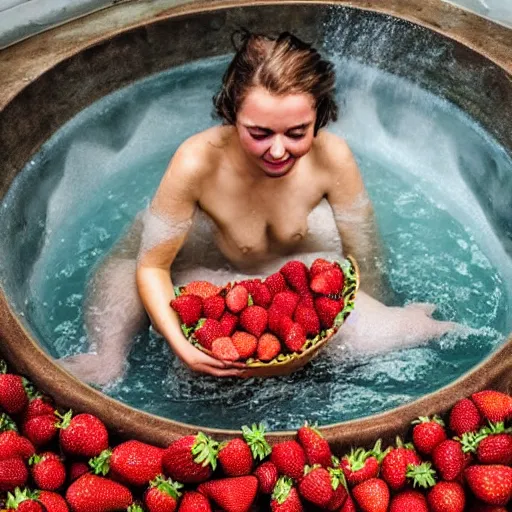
{"x": 255, "y": 438}
{"x": 101, "y": 464}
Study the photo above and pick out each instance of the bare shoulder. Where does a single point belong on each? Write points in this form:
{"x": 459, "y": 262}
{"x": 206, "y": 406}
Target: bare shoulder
{"x": 332, "y": 151}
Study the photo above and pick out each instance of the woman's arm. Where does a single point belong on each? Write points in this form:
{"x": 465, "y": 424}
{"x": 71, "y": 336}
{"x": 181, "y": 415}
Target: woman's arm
{"x": 166, "y": 225}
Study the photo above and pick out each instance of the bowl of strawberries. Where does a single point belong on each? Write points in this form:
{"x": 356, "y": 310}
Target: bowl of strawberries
{"x": 273, "y": 325}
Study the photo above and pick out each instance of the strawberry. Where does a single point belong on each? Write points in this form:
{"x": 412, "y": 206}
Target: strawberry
{"x": 490, "y": 484}
{"x": 213, "y": 307}
{"x": 39, "y": 405}
{"x": 235, "y": 457}
{"x": 448, "y": 458}
{"x": 285, "y": 302}
{"x": 162, "y": 495}
{"x": 395, "y": 465}
{"x": 296, "y": 275}
{"x": 327, "y": 310}
{"x": 464, "y": 417}
{"x": 12, "y": 445}
{"x": 320, "y": 265}
{"x": 307, "y": 301}
{"x": 493, "y": 405}
{"x": 259, "y": 292}
{"x": 202, "y": 289}
{"x": 308, "y": 319}
{"x": 134, "y": 462}
{"x": 275, "y": 283}
{"x": 228, "y": 323}
{"x": 446, "y": 497}
{"x": 316, "y": 486}
{"x": 23, "y": 501}
{"x": 268, "y": 348}
{"x": 41, "y": 430}
{"x": 329, "y": 282}
{"x": 77, "y": 469}
{"x": 52, "y": 501}
{"x": 316, "y": 448}
{"x": 13, "y": 473}
{"x": 48, "y": 471}
{"x": 208, "y": 330}
{"x": 254, "y": 320}
{"x": 13, "y": 397}
{"x": 349, "y": 505}
{"x": 235, "y": 494}
{"x": 224, "y": 349}
{"x": 237, "y": 299}
{"x": 278, "y": 322}
{"x": 496, "y": 449}
{"x": 289, "y": 458}
{"x": 189, "y": 308}
{"x": 428, "y": 433}
{"x": 193, "y": 501}
{"x": 285, "y": 497}
{"x": 361, "y": 465}
{"x": 340, "y": 493}
{"x": 245, "y": 343}
{"x": 372, "y": 495}
{"x": 408, "y": 501}
{"x": 267, "y": 476}
{"x": 295, "y": 338}
{"x": 191, "y": 459}
{"x": 82, "y": 435}
{"x": 92, "y": 493}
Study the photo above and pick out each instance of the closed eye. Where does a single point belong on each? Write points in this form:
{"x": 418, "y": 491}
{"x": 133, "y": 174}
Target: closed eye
{"x": 296, "y": 135}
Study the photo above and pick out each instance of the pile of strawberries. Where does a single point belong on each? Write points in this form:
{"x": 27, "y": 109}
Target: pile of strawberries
{"x": 260, "y": 319}
{"x": 54, "y": 462}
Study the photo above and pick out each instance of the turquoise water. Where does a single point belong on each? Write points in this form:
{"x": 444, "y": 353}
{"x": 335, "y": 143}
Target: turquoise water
{"x": 103, "y": 166}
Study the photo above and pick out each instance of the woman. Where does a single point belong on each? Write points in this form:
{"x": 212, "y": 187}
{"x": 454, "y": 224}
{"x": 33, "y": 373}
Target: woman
{"x": 257, "y": 178}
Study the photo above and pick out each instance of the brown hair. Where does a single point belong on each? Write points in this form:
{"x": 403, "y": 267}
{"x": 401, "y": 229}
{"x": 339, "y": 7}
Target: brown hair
{"x": 284, "y": 65}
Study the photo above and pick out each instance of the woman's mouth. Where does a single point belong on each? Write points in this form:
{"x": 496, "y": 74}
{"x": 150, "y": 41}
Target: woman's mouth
{"x": 277, "y": 168}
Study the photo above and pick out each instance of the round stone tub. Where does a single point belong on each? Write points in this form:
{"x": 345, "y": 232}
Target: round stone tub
{"x": 49, "y": 78}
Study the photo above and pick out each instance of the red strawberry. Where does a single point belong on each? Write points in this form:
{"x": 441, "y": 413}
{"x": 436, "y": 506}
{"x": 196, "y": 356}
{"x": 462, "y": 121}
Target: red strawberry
{"x": 13, "y": 473}
{"x": 316, "y": 486}
{"x": 329, "y": 282}
{"x": 244, "y": 343}
{"x": 493, "y": 405}
{"x": 82, "y": 435}
{"x": 134, "y": 462}
{"x": 237, "y": 299}
{"x": 320, "y": 265}
{"x": 285, "y": 497}
{"x": 496, "y": 449}
{"x": 267, "y": 476}
{"x": 41, "y": 430}
{"x": 428, "y": 433}
{"x": 52, "y": 501}
{"x": 235, "y": 457}
{"x": 307, "y": 301}
{"x": 202, "y": 289}
{"x": 77, "y": 469}
{"x": 446, "y": 497}
{"x": 490, "y": 484}
{"x": 327, "y": 310}
{"x": 189, "y": 308}
{"x": 359, "y": 465}
{"x": 208, "y": 330}
{"x": 395, "y": 466}
{"x": 295, "y": 338}
{"x": 289, "y": 458}
{"x": 224, "y": 349}
{"x": 372, "y": 495}
{"x": 316, "y": 448}
{"x": 48, "y": 471}
{"x": 308, "y": 319}
{"x": 12, "y": 445}
{"x": 13, "y": 397}
{"x": 268, "y": 348}
{"x": 340, "y": 493}
{"x": 191, "y": 459}
{"x": 448, "y": 458}
{"x": 349, "y": 505}
{"x": 276, "y": 321}
{"x": 235, "y": 494}
{"x": 254, "y": 320}
{"x": 162, "y": 495}
{"x": 193, "y": 501}
{"x": 39, "y": 405}
{"x": 296, "y": 275}
{"x": 285, "y": 302}
{"x": 23, "y": 501}
{"x": 464, "y": 417}
{"x": 95, "y": 493}
{"x": 213, "y": 307}
{"x": 228, "y": 323}
{"x": 408, "y": 501}
{"x": 259, "y": 292}
{"x": 275, "y": 283}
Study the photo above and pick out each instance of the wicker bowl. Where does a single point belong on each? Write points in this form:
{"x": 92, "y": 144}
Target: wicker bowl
{"x": 285, "y": 364}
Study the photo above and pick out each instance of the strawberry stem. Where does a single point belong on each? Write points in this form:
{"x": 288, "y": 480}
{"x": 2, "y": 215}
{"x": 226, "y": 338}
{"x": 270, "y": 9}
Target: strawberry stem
{"x": 7, "y": 423}
{"x": 421, "y": 475}
{"x": 255, "y": 438}
{"x": 206, "y": 450}
{"x": 282, "y": 489}
{"x": 101, "y": 463}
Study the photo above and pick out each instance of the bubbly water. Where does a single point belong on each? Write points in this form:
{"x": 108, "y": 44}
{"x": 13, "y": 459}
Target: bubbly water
{"x": 104, "y": 165}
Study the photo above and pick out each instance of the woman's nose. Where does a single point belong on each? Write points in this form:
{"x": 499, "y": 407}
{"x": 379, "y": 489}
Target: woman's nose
{"x": 277, "y": 150}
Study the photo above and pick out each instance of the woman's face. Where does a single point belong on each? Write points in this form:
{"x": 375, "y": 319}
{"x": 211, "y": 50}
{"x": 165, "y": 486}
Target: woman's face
{"x": 275, "y": 131}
